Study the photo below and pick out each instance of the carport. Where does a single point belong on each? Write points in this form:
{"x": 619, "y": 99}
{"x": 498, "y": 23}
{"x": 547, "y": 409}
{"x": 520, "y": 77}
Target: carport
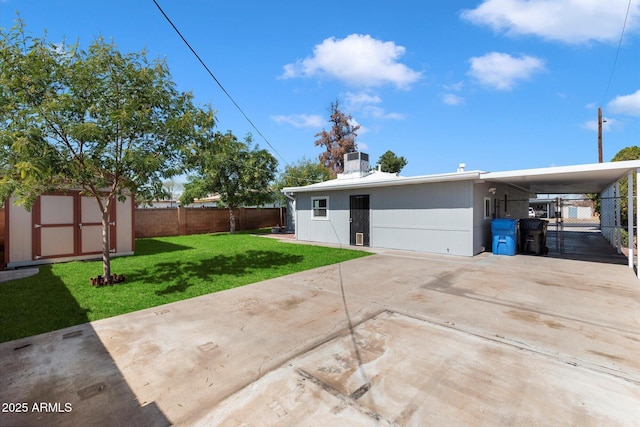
{"x": 599, "y": 178}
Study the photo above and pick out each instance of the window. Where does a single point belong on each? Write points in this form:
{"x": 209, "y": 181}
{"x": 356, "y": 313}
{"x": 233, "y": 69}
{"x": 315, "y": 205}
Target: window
{"x": 320, "y": 208}
{"x": 487, "y": 208}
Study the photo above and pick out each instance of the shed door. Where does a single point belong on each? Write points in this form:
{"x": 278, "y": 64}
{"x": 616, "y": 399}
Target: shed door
{"x": 68, "y": 225}
{"x": 359, "y": 220}
{"x": 54, "y": 226}
{"x": 90, "y": 226}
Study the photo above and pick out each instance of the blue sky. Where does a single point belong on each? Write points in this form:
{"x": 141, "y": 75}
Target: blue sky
{"x": 496, "y": 84}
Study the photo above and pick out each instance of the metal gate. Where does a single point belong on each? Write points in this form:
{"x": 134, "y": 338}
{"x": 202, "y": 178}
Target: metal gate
{"x": 576, "y": 228}
{"x": 359, "y": 220}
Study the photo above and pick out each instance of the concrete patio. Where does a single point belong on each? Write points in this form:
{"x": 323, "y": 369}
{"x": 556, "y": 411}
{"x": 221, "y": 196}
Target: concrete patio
{"x": 397, "y": 338}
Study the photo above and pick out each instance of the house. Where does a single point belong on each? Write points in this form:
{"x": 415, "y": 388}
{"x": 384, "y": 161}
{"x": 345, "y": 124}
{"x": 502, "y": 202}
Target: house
{"x": 64, "y": 227}
{"x": 447, "y": 213}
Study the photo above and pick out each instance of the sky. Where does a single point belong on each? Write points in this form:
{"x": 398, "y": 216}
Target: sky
{"x": 495, "y": 84}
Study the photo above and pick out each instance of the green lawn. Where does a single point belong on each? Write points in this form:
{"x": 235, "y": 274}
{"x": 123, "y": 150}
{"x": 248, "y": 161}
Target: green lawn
{"x": 163, "y": 270}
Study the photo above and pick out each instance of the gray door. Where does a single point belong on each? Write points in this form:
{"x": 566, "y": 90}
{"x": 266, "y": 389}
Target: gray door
{"x": 359, "y": 220}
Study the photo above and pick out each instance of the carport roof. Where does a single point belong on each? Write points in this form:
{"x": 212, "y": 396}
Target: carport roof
{"x": 576, "y": 179}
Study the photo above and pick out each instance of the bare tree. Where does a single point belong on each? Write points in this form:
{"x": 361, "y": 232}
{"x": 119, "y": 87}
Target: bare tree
{"x": 338, "y": 141}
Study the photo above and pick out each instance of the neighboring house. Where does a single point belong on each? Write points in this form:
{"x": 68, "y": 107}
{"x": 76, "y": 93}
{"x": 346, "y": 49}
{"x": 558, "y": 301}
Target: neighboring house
{"x": 572, "y": 206}
{"x": 159, "y": 204}
{"x": 446, "y": 213}
{"x": 213, "y": 201}
{"x": 64, "y": 227}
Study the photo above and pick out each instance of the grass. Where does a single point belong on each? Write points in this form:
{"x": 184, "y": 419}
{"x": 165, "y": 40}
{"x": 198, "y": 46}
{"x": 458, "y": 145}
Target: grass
{"x": 163, "y": 270}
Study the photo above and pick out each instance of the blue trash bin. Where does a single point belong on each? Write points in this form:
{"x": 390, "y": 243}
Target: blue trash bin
{"x": 505, "y": 236}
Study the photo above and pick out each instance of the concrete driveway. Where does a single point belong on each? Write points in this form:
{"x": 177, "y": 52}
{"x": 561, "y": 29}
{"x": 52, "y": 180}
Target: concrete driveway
{"x": 396, "y": 338}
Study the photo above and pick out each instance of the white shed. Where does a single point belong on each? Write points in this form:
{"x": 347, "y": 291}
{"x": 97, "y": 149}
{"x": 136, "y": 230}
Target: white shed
{"x": 64, "y": 227}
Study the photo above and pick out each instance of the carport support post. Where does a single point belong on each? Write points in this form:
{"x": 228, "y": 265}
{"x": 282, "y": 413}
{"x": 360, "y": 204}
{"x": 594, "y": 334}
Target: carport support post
{"x": 630, "y": 216}
{"x": 637, "y": 214}
{"x": 618, "y": 231}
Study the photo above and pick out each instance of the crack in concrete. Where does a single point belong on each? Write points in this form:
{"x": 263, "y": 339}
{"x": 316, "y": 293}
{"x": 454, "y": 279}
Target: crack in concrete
{"x": 346, "y": 399}
{"x": 520, "y": 345}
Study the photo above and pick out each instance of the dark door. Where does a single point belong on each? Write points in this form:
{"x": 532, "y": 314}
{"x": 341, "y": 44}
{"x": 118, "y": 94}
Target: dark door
{"x": 359, "y": 207}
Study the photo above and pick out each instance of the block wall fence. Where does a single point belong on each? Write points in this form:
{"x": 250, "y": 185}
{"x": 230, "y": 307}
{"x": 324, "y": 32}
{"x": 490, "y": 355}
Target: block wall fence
{"x": 160, "y": 222}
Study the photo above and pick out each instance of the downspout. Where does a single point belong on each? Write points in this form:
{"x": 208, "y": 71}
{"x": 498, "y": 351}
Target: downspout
{"x": 295, "y": 212}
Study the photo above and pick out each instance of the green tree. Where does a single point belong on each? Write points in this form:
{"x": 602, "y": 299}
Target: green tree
{"x": 627, "y": 153}
{"x": 239, "y": 172}
{"x": 391, "y": 163}
{"x": 338, "y": 141}
{"x": 304, "y": 172}
{"x": 105, "y": 123}
{"x": 171, "y": 189}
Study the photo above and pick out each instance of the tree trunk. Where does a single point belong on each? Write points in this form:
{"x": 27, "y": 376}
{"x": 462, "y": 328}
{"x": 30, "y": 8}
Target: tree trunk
{"x": 106, "y": 254}
{"x": 232, "y": 221}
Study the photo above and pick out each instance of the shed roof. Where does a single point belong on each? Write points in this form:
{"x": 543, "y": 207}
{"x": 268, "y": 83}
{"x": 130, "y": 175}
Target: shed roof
{"x": 587, "y": 178}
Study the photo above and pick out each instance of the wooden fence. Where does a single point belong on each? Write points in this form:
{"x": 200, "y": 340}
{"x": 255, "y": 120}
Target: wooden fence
{"x": 160, "y": 222}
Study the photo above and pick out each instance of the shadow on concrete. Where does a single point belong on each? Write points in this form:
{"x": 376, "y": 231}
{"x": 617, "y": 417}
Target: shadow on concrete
{"x": 65, "y": 377}
{"x": 583, "y": 245}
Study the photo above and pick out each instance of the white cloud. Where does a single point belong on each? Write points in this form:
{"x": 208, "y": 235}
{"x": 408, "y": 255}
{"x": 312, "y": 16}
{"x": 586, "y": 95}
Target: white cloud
{"x": 357, "y": 100}
{"x": 626, "y": 104}
{"x": 300, "y": 120}
{"x": 452, "y": 99}
{"x": 592, "y": 125}
{"x": 502, "y": 71}
{"x": 358, "y": 60}
{"x": 455, "y": 87}
{"x": 367, "y": 103}
{"x": 569, "y": 21}
{"x": 380, "y": 113}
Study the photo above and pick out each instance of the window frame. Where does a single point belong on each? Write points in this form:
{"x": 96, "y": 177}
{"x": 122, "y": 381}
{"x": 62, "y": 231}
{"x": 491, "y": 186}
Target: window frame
{"x": 487, "y": 208}
{"x": 313, "y": 208}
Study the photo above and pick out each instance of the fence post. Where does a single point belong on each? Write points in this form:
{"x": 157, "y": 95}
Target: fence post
{"x": 182, "y": 221}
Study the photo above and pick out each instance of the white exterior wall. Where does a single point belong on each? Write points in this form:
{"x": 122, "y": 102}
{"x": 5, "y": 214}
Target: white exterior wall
{"x": 517, "y": 207}
{"x": 433, "y": 217}
{"x": 334, "y": 229}
{"x": 19, "y": 236}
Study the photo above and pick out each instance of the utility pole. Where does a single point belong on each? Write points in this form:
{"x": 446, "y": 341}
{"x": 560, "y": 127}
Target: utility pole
{"x": 599, "y": 135}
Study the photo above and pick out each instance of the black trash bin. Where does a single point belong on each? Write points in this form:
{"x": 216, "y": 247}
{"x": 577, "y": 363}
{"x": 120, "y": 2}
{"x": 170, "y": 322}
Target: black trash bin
{"x": 533, "y": 236}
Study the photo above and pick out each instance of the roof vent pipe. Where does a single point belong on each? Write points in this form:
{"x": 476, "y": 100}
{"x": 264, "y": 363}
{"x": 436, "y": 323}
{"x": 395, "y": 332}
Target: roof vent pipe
{"x": 461, "y": 167}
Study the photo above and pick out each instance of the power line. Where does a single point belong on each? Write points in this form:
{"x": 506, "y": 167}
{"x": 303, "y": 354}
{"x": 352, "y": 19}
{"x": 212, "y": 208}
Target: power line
{"x": 615, "y": 61}
{"x": 218, "y": 82}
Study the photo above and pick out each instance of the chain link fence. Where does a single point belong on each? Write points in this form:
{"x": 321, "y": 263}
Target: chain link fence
{"x": 584, "y": 227}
